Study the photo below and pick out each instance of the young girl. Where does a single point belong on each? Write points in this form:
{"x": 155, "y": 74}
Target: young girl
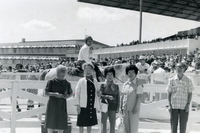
{"x": 58, "y": 90}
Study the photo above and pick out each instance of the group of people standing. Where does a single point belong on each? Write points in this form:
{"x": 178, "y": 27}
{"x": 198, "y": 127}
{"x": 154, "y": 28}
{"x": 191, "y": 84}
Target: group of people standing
{"x": 126, "y": 100}
{"x": 88, "y": 99}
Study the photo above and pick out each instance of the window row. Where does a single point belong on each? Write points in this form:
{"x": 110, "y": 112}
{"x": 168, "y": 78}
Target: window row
{"x": 40, "y": 50}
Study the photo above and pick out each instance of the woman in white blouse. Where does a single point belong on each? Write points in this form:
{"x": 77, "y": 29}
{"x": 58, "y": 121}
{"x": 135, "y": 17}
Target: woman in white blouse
{"x": 86, "y": 99}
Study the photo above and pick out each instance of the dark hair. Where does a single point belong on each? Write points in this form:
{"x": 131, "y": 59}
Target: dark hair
{"x": 120, "y": 58}
{"x": 109, "y": 70}
{"x": 88, "y": 38}
{"x": 131, "y": 67}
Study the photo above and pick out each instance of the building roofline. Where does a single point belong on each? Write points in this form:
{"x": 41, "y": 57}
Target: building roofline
{"x": 50, "y": 41}
{"x": 81, "y": 40}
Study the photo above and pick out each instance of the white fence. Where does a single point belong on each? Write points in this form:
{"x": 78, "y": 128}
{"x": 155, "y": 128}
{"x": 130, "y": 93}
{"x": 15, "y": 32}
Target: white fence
{"x": 156, "y": 109}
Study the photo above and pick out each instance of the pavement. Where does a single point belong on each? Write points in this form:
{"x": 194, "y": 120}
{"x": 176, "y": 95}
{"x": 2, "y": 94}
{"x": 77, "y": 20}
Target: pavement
{"x": 75, "y": 128}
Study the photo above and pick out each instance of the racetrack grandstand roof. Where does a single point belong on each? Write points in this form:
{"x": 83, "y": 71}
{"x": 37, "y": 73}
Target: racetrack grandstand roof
{"x": 185, "y": 9}
{"x": 51, "y": 44}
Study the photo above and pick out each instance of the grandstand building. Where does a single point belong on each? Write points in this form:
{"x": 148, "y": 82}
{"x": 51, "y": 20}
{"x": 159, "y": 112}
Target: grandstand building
{"x": 31, "y": 52}
{"x": 183, "y": 47}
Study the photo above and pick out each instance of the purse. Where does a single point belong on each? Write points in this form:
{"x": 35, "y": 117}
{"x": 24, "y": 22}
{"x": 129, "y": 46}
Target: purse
{"x": 104, "y": 107}
{"x": 120, "y": 124}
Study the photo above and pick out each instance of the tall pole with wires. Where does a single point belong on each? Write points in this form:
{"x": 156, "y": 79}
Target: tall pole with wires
{"x": 140, "y": 32}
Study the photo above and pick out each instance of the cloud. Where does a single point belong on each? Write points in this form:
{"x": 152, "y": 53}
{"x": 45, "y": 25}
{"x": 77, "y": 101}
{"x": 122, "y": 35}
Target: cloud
{"x": 39, "y": 25}
{"x": 101, "y": 14}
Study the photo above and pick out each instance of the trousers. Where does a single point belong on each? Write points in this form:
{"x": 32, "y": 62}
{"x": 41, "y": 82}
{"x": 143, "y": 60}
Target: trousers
{"x": 131, "y": 121}
{"x": 112, "y": 119}
{"x": 182, "y": 116}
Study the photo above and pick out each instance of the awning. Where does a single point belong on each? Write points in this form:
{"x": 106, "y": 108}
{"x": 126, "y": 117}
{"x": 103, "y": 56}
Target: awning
{"x": 28, "y": 58}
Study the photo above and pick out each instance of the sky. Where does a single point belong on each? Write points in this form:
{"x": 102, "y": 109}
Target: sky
{"x": 38, "y": 20}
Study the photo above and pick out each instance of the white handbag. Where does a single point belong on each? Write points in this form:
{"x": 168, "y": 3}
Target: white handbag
{"x": 120, "y": 124}
{"x": 104, "y": 107}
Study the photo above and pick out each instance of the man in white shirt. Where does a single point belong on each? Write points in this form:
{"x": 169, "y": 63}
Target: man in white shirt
{"x": 143, "y": 66}
{"x": 160, "y": 67}
{"x": 84, "y": 53}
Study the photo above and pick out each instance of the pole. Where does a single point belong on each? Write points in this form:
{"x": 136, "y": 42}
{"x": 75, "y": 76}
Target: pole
{"x": 140, "y": 34}
{"x": 13, "y": 104}
{"x": 85, "y": 33}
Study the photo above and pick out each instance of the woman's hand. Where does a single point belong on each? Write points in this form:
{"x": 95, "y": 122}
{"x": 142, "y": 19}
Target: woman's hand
{"x": 66, "y": 96}
{"x": 58, "y": 95}
{"x": 78, "y": 109}
{"x": 110, "y": 98}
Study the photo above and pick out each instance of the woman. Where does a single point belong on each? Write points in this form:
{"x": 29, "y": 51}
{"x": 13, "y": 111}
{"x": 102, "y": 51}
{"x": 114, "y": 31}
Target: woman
{"x": 58, "y": 90}
{"x": 131, "y": 98}
{"x": 86, "y": 99}
{"x": 110, "y": 94}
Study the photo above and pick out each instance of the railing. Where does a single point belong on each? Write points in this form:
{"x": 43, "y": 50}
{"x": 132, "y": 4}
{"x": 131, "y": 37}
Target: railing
{"x": 156, "y": 107}
{"x": 11, "y": 119}
{"x": 145, "y": 47}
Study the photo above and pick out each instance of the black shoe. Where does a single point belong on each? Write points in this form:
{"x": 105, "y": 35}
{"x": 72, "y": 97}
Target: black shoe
{"x": 19, "y": 110}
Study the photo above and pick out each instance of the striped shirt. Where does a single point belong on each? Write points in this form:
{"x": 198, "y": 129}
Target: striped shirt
{"x": 179, "y": 90}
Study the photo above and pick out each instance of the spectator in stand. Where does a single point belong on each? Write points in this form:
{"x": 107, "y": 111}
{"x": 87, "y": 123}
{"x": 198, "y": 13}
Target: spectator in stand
{"x": 142, "y": 66}
{"x": 27, "y": 67}
{"x": 10, "y": 69}
{"x": 171, "y": 64}
{"x": 119, "y": 61}
{"x": 160, "y": 68}
{"x": 150, "y": 59}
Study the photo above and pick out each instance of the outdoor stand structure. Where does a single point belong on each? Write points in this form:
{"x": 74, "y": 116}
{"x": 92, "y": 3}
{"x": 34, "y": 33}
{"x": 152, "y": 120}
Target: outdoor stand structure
{"x": 185, "y": 9}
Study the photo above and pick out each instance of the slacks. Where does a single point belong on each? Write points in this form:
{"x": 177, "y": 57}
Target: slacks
{"x": 112, "y": 119}
{"x": 131, "y": 121}
{"x": 182, "y": 116}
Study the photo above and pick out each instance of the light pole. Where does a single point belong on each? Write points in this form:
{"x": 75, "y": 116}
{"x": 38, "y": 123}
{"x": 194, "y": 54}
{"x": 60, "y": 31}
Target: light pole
{"x": 140, "y": 32}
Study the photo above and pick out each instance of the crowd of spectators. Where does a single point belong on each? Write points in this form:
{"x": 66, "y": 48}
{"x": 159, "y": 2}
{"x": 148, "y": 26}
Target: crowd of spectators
{"x": 171, "y": 38}
{"x": 36, "y": 67}
{"x": 164, "y": 61}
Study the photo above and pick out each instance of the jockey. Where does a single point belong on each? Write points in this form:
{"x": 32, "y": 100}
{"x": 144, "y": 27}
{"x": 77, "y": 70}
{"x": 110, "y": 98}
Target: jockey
{"x": 84, "y": 54}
